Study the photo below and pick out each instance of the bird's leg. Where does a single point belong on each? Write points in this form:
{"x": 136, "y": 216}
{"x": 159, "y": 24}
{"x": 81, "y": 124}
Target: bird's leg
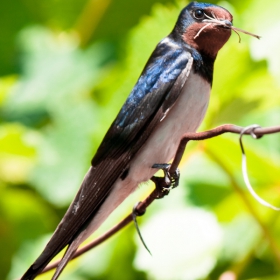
{"x": 167, "y": 182}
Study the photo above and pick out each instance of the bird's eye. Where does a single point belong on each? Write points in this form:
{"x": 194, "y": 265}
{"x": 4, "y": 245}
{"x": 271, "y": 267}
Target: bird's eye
{"x": 199, "y": 14}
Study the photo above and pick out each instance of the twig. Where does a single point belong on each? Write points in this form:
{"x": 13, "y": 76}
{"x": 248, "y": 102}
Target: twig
{"x": 197, "y": 136}
{"x": 141, "y": 207}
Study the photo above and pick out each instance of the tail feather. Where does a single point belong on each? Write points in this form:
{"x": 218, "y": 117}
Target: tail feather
{"x": 38, "y": 266}
{"x": 81, "y": 219}
{"x": 72, "y": 248}
{"x": 67, "y": 230}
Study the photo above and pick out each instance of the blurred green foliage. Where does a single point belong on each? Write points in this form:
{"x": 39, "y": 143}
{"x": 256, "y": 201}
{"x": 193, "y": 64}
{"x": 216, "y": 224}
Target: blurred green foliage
{"x": 66, "y": 68}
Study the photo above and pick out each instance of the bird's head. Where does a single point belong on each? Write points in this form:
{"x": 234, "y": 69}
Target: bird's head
{"x": 205, "y": 27}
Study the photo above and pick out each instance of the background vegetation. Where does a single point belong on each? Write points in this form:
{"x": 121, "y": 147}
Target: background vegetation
{"x": 66, "y": 68}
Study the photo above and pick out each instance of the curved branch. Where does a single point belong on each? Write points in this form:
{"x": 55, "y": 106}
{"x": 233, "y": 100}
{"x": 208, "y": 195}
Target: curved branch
{"x": 226, "y": 128}
{"x": 142, "y": 206}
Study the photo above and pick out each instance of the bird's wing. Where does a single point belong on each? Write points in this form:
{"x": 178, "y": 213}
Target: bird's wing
{"x": 154, "y": 94}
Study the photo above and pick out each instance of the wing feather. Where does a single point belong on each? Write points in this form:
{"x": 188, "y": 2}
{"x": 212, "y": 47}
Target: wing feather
{"x": 154, "y": 94}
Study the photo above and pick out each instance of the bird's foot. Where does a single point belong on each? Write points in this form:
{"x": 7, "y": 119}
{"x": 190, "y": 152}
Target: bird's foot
{"x": 166, "y": 183}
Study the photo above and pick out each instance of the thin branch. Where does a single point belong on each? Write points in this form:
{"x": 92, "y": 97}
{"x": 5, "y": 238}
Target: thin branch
{"x": 142, "y": 206}
{"x": 196, "y": 136}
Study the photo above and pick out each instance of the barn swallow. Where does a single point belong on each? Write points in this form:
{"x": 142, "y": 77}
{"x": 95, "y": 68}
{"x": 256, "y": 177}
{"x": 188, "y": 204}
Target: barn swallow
{"x": 169, "y": 99}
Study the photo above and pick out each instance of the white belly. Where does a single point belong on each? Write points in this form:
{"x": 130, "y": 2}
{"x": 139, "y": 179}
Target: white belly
{"x": 185, "y": 116}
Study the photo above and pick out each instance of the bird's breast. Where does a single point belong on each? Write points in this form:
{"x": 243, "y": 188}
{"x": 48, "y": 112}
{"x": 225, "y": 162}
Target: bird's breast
{"x": 185, "y": 116}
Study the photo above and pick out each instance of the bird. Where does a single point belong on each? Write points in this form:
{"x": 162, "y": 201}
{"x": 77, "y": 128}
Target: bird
{"x": 169, "y": 99}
